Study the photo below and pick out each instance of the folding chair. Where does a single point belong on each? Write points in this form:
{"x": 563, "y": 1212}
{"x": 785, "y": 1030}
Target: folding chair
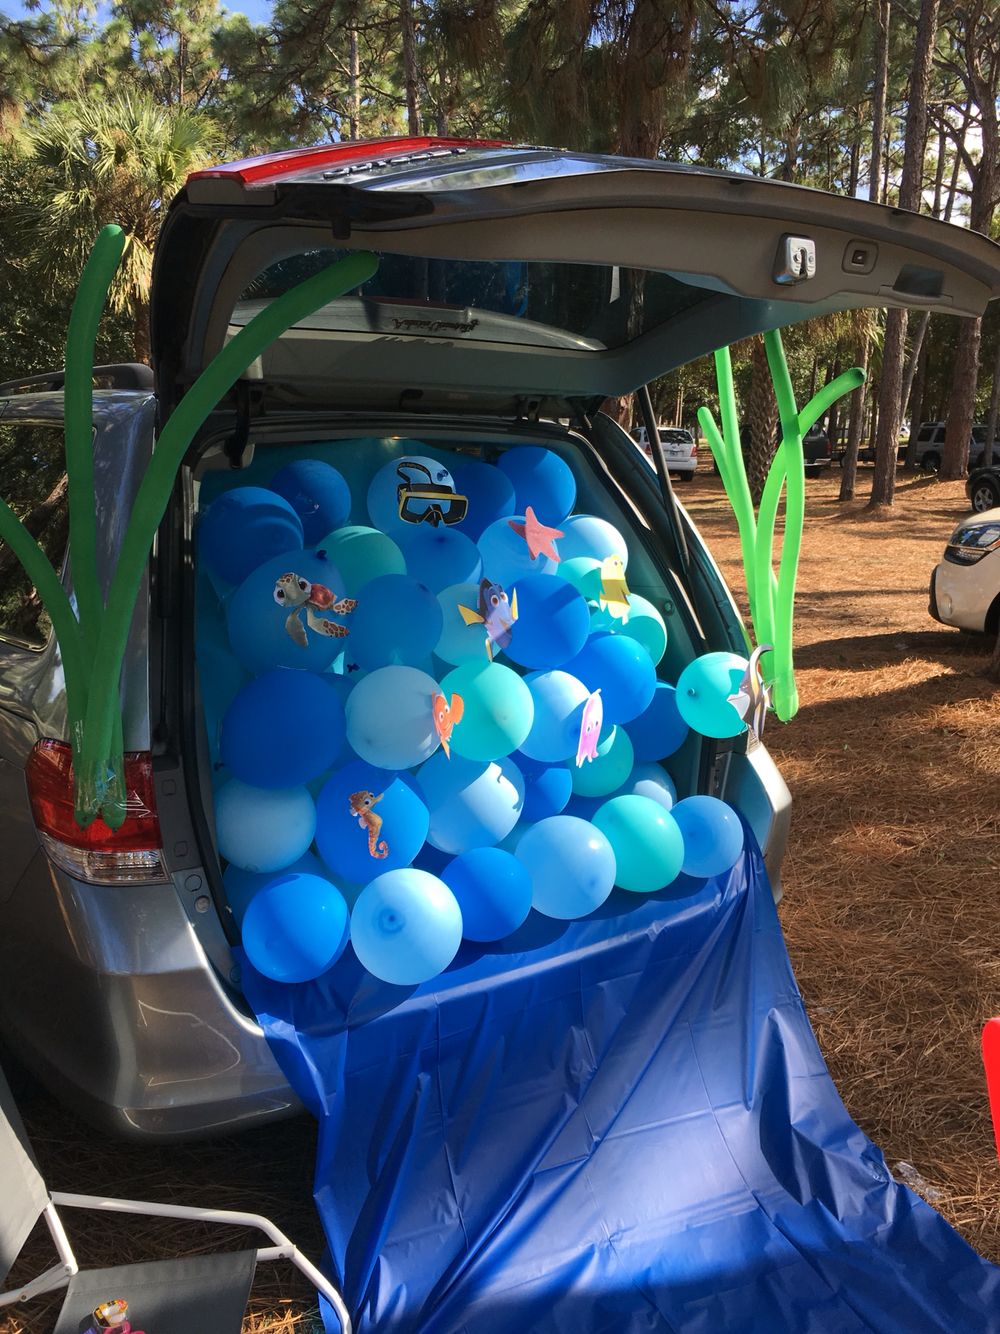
{"x": 200, "y": 1293}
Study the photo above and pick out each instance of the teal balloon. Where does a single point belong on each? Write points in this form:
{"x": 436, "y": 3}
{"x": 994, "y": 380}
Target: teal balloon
{"x": 558, "y": 701}
{"x": 703, "y": 690}
{"x": 390, "y": 721}
{"x": 645, "y": 625}
{"x": 498, "y": 710}
{"x": 571, "y": 864}
{"x": 587, "y": 535}
{"x": 360, "y": 555}
{"x": 263, "y": 829}
{"x": 459, "y": 641}
{"x": 406, "y": 927}
{"x": 471, "y": 803}
{"x": 646, "y": 841}
{"x": 600, "y": 777}
{"x": 437, "y": 557}
{"x": 584, "y": 573}
{"x": 493, "y": 890}
{"x": 712, "y": 833}
{"x": 650, "y": 780}
{"x": 295, "y": 928}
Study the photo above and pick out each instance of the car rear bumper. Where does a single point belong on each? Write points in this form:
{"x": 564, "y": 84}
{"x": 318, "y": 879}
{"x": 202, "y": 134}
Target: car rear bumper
{"x": 112, "y": 1000}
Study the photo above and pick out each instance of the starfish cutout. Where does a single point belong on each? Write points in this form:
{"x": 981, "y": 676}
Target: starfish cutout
{"x": 539, "y": 538}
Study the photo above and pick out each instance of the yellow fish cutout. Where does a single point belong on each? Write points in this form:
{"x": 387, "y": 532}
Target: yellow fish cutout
{"x": 614, "y": 589}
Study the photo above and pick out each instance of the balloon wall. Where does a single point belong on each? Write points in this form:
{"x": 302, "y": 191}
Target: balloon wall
{"x": 443, "y": 708}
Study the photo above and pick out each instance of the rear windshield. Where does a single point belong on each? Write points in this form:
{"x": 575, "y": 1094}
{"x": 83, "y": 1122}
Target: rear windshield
{"x": 584, "y": 306}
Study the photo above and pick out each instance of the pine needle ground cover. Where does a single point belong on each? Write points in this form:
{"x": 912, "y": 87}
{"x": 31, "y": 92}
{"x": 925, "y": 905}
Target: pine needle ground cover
{"x": 891, "y": 910}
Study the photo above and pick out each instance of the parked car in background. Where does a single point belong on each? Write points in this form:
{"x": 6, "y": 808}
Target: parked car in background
{"x": 965, "y": 586}
{"x": 930, "y": 447}
{"x": 680, "y": 449}
{"x": 817, "y": 450}
{"x": 983, "y": 488}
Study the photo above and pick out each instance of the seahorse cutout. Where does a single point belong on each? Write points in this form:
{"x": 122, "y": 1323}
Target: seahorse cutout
{"x": 361, "y": 808}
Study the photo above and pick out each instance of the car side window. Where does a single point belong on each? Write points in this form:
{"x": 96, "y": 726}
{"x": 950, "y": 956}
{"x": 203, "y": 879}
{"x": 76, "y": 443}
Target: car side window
{"x": 33, "y": 483}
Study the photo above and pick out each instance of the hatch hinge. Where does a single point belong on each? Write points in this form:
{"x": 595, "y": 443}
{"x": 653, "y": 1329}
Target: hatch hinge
{"x": 249, "y": 399}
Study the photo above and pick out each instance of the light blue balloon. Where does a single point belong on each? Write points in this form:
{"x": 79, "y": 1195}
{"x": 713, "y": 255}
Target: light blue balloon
{"x": 258, "y": 624}
{"x": 471, "y": 804}
{"x": 357, "y": 848}
{"x": 437, "y": 557}
{"x": 488, "y": 491}
{"x": 646, "y": 842}
{"x": 406, "y": 927}
{"x": 245, "y": 527}
{"x": 600, "y": 777}
{"x": 540, "y": 479}
{"x": 263, "y": 830}
{"x": 383, "y": 493}
{"x": 703, "y": 690}
{"x": 712, "y": 834}
{"x": 650, "y": 780}
{"x": 460, "y": 642}
{"x": 558, "y": 700}
{"x": 659, "y": 731}
{"x": 295, "y": 928}
{"x": 645, "y": 624}
{"x": 621, "y": 670}
{"x": 390, "y": 722}
{"x": 498, "y": 710}
{"x": 588, "y": 535}
{"x": 547, "y": 787}
{"x": 283, "y": 729}
{"x": 361, "y": 555}
{"x": 552, "y": 622}
{"x": 572, "y": 866}
{"x": 493, "y": 890}
{"x": 241, "y": 886}
{"x": 397, "y": 623}
{"x": 506, "y": 557}
{"x": 317, "y": 493}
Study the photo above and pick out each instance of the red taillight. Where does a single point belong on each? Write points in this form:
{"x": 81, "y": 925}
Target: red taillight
{"x": 98, "y": 853}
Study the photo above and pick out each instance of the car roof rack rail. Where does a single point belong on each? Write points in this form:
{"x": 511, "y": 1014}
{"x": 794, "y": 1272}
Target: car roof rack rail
{"x": 125, "y": 375}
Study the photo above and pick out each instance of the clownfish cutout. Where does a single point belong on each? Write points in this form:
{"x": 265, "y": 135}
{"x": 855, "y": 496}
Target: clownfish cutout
{"x": 541, "y": 539}
{"x": 446, "y": 718}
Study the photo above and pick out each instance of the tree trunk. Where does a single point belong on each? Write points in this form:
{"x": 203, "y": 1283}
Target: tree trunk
{"x": 879, "y": 99}
{"x": 911, "y": 369}
{"x": 890, "y": 391}
{"x": 36, "y": 521}
{"x": 961, "y": 410}
{"x": 917, "y": 395}
{"x": 140, "y": 333}
{"x": 410, "y": 77}
{"x": 855, "y": 422}
{"x": 991, "y": 422}
{"x": 761, "y": 420}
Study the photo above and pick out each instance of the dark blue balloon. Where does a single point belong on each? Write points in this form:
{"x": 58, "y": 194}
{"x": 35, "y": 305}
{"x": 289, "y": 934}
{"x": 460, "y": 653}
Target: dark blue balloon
{"x": 387, "y": 836}
{"x": 547, "y": 788}
{"x": 621, "y": 669}
{"x": 258, "y": 624}
{"x": 296, "y": 927}
{"x": 245, "y": 527}
{"x": 540, "y": 479}
{"x": 552, "y": 625}
{"x": 493, "y": 891}
{"x": 659, "y": 730}
{"x": 437, "y": 557}
{"x": 318, "y": 495}
{"x": 241, "y": 886}
{"x": 282, "y": 729}
{"x": 489, "y": 492}
{"x": 397, "y": 623}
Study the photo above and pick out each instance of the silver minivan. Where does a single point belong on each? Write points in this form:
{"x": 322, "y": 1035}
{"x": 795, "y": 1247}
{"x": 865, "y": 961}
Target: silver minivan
{"x": 517, "y": 289}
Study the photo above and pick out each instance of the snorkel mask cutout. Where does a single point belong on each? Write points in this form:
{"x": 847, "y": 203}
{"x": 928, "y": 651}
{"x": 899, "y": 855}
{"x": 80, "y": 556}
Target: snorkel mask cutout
{"x": 423, "y": 501}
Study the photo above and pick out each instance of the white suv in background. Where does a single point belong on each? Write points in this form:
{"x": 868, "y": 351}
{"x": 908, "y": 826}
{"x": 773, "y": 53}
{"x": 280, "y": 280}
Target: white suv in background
{"x": 965, "y": 587}
{"x": 680, "y": 449}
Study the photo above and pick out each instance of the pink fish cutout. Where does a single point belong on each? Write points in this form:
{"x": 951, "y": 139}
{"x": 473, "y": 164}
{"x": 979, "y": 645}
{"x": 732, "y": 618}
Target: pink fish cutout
{"x": 590, "y": 729}
{"x": 540, "y": 539}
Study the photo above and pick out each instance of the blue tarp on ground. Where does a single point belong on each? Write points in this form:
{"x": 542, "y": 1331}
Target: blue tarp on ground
{"x": 610, "y": 1126}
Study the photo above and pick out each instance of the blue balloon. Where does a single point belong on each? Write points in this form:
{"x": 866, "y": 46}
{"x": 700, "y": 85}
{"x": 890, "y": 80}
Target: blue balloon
{"x": 361, "y": 554}
{"x": 506, "y": 558}
{"x": 258, "y": 623}
{"x": 659, "y": 731}
{"x": 493, "y": 890}
{"x": 623, "y": 672}
{"x": 406, "y": 927}
{"x": 572, "y": 866}
{"x": 600, "y": 777}
{"x": 703, "y": 692}
{"x": 552, "y": 624}
{"x": 367, "y": 822}
{"x": 390, "y": 721}
{"x": 262, "y": 829}
{"x": 317, "y": 493}
{"x": 460, "y": 641}
{"x": 547, "y": 787}
{"x": 383, "y": 493}
{"x": 241, "y": 886}
{"x": 645, "y": 624}
{"x": 397, "y": 623}
{"x": 283, "y": 729}
{"x": 440, "y": 556}
{"x": 472, "y": 804}
{"x": 712, "y": 834}
{"x": 649, "y": 780}
{"x": 542, "y": 480}
{"x": 295, "y": 928}
{"x": 587, "y": 535}
{"x": 245, "y": 527}
{"x": 555, "y": 730}
{"x": 488, "y": 491}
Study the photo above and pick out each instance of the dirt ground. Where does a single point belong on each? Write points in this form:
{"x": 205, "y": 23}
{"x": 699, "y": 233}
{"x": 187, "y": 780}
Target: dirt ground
{"x": 891, "y": 909}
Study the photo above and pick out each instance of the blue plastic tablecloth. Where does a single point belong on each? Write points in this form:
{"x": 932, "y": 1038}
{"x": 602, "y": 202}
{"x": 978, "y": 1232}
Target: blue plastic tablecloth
{"x": 611, "y": 1126}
